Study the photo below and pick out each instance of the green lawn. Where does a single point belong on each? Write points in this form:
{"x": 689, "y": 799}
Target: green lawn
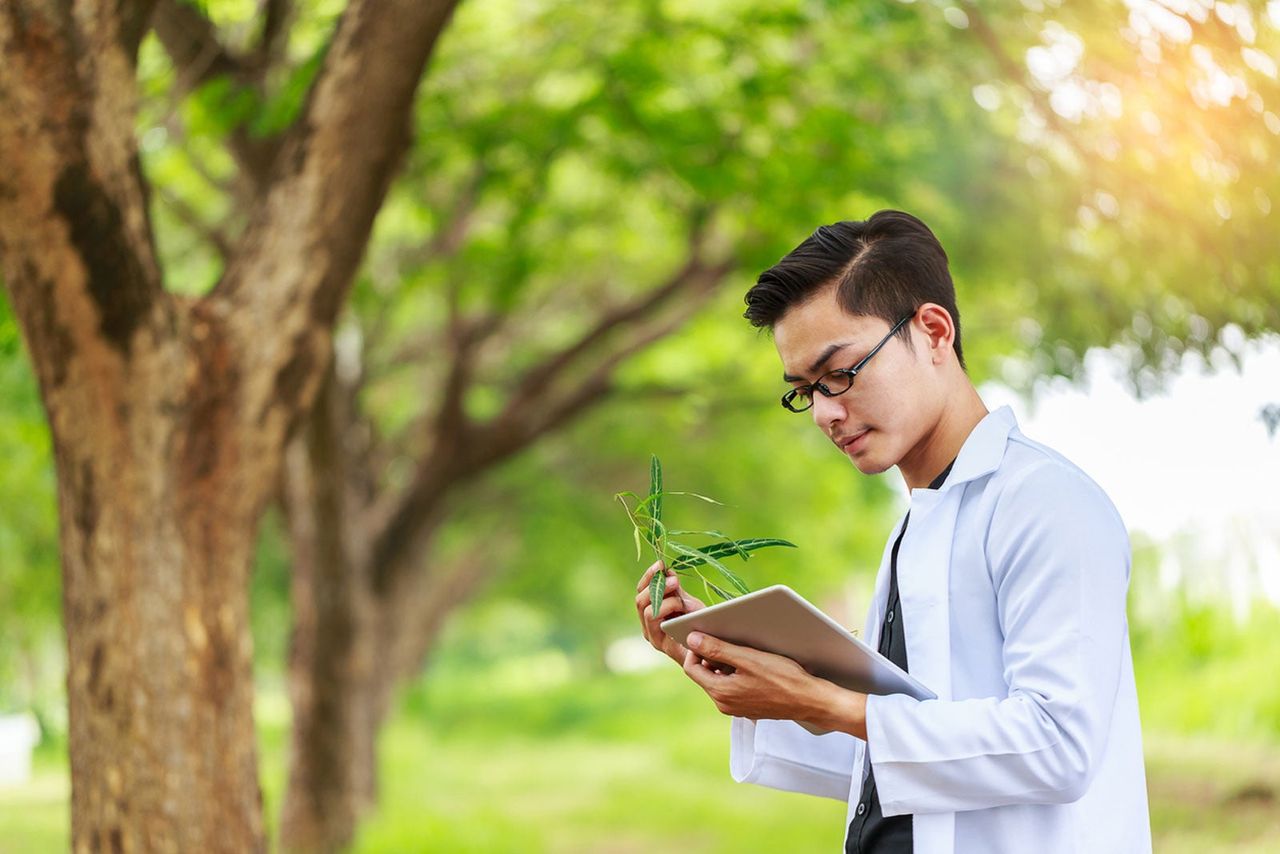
{"x": 633, "y": 763}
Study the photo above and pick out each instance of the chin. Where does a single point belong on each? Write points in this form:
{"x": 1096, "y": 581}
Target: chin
{"x": 870, "y": 466}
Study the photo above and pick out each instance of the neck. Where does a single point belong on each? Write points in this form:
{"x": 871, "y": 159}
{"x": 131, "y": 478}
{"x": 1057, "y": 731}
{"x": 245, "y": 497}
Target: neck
{"x": 942, "y": 443}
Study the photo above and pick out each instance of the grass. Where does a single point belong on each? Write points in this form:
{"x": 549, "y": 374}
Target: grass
{"x": 537, "y": 762}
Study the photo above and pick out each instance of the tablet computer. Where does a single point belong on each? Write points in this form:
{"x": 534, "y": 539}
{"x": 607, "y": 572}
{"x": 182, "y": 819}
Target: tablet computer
{"x": 779, "y": 620}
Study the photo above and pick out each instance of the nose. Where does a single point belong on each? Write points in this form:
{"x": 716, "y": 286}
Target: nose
{"x": 827, "y": 411}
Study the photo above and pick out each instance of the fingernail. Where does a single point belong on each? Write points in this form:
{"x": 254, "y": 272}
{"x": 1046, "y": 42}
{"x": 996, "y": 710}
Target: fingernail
{"x": 694, "y": 640}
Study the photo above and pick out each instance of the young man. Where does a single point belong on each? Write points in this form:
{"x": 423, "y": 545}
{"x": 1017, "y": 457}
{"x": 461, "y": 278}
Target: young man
{"x": 1002, "y": 589}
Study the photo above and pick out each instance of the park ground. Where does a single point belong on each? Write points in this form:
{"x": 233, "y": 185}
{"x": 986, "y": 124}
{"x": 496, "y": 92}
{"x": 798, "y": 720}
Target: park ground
{"x": 530, "y": 759}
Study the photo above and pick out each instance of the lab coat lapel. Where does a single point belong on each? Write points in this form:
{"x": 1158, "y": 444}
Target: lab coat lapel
{"x": 924, "y": 558}
{"x": 924, "y": 568}
{"x": 924, "y": 579}
{"x": 875, "y": 614}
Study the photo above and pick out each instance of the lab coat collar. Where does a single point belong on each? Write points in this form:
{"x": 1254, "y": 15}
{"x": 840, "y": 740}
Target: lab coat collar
{"x": 980, "y": 455}
{"x": 982, "y": 452}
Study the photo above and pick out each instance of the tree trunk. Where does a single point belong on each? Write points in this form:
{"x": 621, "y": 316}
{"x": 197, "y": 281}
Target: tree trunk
{"x": 157, "y": 534}
{"x": 332, "y": 761}
{"x": 365, "y": 576}
{"x": 351, "y": 647}
{"x": 169, "y": 415}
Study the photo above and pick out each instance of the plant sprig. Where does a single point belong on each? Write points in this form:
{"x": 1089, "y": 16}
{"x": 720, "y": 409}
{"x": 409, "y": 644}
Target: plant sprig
{"x": 682, "y": 558}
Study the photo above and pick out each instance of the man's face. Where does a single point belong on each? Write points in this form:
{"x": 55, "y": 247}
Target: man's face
{"x": 890, "y": 407}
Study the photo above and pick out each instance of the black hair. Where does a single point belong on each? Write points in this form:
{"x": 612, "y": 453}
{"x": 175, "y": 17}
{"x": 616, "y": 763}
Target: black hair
{"x": 886, "y": 266}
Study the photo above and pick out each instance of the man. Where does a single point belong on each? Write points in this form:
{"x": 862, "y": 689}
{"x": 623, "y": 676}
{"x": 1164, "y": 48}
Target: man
{"x": 1002, "y": 589}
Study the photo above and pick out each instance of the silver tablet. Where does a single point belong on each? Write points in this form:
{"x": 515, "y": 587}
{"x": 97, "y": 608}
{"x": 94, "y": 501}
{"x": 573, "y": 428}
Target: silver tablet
{"x": 779, "y": 620}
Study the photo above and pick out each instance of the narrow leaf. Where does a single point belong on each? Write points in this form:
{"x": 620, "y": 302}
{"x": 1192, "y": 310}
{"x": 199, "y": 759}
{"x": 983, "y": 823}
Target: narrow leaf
{"x": 696, "y": 495}
{"x": 725, "y": 596}
{"x": 655, "y": 495}
{"x": 734, "y": 579}
{"x": 691, "y": 552}
{"x": 725, "y": 549}
{"x": 657, "y": 586}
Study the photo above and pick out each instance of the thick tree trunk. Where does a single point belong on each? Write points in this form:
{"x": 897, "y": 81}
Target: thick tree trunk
{"x": 157, "y": 533}
{"x": 169, "y": 416}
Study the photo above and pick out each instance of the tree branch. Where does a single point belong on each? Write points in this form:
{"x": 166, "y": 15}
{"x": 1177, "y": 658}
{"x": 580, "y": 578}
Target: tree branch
{"x": 306, "y": 235}
{"x": 538, "y": 379}
{"x": 275, "y": 35}
{"x": 191, "y": 40}
{"x": 507, "y": 435}
{"x": 71, "y": 187}
{"x": 467, "y": 453}
{"x": 188, "y": 216}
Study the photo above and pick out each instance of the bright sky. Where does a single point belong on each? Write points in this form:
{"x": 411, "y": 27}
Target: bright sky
{"x": 1195, "y": 460}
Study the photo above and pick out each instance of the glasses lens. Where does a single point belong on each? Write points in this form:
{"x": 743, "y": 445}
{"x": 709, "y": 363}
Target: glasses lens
{"x": 836, "y": 382}
{"x": 797, "y": 400}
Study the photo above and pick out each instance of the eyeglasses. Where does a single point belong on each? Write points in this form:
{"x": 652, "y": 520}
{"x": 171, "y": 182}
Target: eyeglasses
{"x": 835, "y": 382}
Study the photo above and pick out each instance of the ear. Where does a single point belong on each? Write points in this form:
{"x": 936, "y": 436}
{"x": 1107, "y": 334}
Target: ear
{"x": 939, "y": 329}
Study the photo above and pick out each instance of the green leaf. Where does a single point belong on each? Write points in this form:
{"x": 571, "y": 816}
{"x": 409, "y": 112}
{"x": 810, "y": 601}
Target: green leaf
{"x": 734, "y": 579}
{"x": 696, "y": 495}
{"x": 690, "y": 552}
{"x": 724, "y": 596}
{"x": 657, "y": 586}
{"x": 655, "y": 495}
{"x": 674, "y": 533}
{"x": 725, "y": 549}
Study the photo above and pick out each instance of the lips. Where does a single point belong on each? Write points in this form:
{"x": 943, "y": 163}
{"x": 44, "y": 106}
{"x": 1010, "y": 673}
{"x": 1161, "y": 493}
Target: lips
{"x": 849, "y": 440}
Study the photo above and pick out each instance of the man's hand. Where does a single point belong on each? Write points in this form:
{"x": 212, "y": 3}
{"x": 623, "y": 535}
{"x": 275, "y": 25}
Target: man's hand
{"x": 763, "y": 685}
{"x": 674, "y": 603}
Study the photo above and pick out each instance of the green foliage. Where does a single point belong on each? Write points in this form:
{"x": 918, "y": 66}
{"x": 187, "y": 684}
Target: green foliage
{"x": 1204, "y": 670}
{"x": 31, "y": 670}
{"x": 646, "y": 522}
{"x": 575, "y": 152}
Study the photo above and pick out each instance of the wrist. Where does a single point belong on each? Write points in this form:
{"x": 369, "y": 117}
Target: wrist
{"x": 840, "y": 709}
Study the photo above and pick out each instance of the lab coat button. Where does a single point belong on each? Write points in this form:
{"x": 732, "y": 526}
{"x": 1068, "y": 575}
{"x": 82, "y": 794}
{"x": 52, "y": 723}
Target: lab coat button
{"x": 890, "y": 617}
{"x": 862, "y": 808}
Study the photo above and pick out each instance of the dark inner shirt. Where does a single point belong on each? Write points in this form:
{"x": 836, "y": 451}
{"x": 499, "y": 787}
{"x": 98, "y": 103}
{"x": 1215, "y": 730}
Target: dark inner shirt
{"x": 870, "y": 831}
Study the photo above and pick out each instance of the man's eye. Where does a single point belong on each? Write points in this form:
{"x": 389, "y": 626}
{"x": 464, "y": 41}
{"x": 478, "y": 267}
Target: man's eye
{"x": 803, "y": 393}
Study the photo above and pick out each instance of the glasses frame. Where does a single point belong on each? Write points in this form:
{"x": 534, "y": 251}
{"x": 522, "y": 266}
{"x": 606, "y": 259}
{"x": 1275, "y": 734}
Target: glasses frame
{"x": 851, "y": 372}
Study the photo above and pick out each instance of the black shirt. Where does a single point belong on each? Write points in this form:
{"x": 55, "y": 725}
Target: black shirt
{"x": 870, "y": 831}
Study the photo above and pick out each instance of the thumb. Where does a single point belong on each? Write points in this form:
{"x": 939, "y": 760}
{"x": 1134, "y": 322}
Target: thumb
{"x": 714, "y": 649}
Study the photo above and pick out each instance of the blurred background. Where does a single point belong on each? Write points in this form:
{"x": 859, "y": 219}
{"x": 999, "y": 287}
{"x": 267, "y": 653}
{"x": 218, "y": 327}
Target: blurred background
{"x": 554, "y": 279}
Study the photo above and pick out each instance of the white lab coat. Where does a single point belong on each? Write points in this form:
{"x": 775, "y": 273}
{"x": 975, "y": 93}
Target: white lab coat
{"x": 1012, "y": 579}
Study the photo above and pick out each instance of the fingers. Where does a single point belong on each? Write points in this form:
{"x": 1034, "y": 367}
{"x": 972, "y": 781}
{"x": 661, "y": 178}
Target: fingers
{"x": 648, "y": 574}
{"x": 669, "y": 607}
{"x": 716, "y": 649}
{"x": 691, "y": 603}
{"x": 642, "y": 598}
{"x": 694, "y": 668}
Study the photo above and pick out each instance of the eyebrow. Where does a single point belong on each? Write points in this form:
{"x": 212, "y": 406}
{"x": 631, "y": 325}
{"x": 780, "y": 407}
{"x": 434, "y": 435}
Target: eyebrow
{"x": 826, "y": 354}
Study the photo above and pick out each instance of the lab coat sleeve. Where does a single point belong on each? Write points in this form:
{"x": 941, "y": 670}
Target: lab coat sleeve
{"x": 1058, "y": 554}
{"x": 783, "y": 755}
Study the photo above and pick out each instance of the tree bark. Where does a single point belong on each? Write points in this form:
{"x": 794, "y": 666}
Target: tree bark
{"x": 156, "y": 510}
{"x": 332, "y": 758}
{"x": 157, "y": 533}
{"x": 169, "y": 415}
